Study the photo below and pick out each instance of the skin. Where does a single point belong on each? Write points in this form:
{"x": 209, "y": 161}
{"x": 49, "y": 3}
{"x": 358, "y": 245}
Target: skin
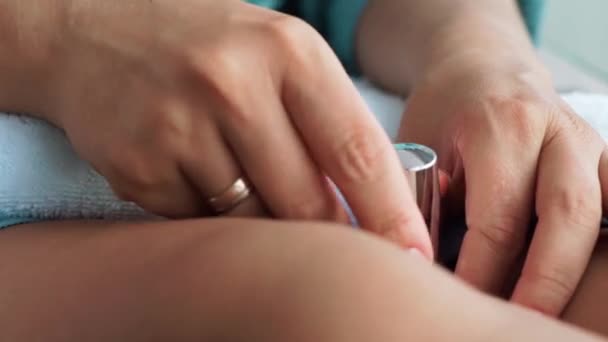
{"x": 240, "y": 280}
{"x": 481, "y": 98}
{"x": 171, "y": 90}
{"x": 587, "y": 306}
{"x": 139, "y": 97}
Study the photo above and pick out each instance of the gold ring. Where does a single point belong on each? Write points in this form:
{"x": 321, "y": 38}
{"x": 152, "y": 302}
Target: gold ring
{"x": 230, "y": 198}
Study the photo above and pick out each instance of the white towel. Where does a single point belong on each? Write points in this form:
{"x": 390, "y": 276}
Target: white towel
{"x": 42, "y": 178}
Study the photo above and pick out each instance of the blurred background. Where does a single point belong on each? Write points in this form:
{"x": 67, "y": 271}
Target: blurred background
{"x": 574, "y": 43}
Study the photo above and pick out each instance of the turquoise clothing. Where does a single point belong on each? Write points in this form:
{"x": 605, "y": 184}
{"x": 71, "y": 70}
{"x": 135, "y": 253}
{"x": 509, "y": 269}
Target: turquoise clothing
{"x": 337, "y": 20}
{"x": 11, "y": 221}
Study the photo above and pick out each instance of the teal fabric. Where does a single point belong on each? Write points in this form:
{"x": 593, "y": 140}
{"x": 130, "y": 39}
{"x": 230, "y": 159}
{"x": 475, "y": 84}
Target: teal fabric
{"x": 7, "y": 222}
{"x": 532, "y": 11}
{"x": 337, "y": 20}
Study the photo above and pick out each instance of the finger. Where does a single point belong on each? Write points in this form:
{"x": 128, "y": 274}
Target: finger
{"x": 569, "y": 211}
{"x": 276, "y": 161}
{"x": 213, "y": 170}
{"x": 499, "y": 194}
{"x": 163, "y": 190}
{"x": 350, "y": 146}
{"x": 444, "y": 182}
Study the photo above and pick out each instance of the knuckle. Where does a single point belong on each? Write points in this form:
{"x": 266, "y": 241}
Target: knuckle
{"x": 145, "y": 183}
{"x": 554, "y": 283}
{"x": 238, "y": 116}
{"x": 171, "y": 126}
{"x": 573, "y": 129}
{"x": 393, "y": 225}
{"x": 522, "y": 117}
{"x": 216, "y": 59}
{"x": 289, "y": 32}
{"x": 574, "y": 122}
{"x": 160, "y": 201}
{"x": 224, "y": 66}
{"x": 217, "y": 71}
{"x": 134, "y": 169}
{"x": 580, "y": 207}
{"x": 139, "y": 177}
{"x": 296, "y": 39}
{"x": 220, "y": 73}
{"x": 522, "y": 121}
{"x": 359, "y": 157}
{"x": 504, "y": 235}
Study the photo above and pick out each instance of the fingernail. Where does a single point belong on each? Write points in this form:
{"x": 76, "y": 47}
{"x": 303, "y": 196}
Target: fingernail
{"x": 417, "y": 254}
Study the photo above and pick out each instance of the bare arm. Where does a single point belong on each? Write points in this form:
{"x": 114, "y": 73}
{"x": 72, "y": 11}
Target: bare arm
{"x": 25, "y": 58}
{"x": 413, "y": 37}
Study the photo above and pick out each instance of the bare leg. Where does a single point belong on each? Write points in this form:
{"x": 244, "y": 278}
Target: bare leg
{"x": 238, "y": 280}
{"x": 589, "y": 307}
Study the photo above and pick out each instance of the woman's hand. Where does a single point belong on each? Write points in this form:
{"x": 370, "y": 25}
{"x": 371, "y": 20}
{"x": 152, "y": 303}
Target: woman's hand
{"x": 173, "y": 101}
{"x": 502, "y": 132}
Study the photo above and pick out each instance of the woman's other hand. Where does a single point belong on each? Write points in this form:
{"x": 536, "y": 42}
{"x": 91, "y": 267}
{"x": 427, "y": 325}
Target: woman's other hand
{"x": 505, "y": 135}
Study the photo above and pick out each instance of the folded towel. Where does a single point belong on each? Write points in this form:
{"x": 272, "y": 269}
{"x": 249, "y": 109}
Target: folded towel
{"x": 41, "y": 178}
